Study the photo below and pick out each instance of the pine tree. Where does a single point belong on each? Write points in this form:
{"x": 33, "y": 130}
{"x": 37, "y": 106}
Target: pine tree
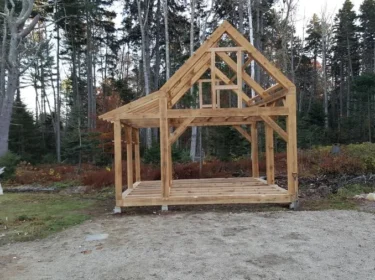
{"x": 367, "y": 28}
{"x": 314, "y": 46}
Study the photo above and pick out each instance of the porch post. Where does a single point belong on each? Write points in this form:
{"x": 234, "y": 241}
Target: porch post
{"x": 254, "y": 150}
{"x": 129, "y": 155}
{"x": 118, "y": 162}
{"x": 270, "y": 158}
{"x": 291, "y": 127}
{"x": 137, "y": 157}
{"x": 164, "y": 147}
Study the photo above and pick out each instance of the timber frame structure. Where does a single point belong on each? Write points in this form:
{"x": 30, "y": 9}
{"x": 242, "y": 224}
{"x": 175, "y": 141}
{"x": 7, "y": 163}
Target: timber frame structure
{"x": 158, "y": 110}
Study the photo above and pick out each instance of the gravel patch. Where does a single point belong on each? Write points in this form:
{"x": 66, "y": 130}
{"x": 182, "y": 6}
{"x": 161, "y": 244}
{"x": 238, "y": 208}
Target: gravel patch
{"x": 265, "y": 245}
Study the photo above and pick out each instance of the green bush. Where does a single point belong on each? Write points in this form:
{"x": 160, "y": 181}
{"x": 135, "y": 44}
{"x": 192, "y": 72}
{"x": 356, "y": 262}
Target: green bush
{"x": 152, "y": 155}
{"x": 365, "y": 152}
{"x": 9, "y": 161}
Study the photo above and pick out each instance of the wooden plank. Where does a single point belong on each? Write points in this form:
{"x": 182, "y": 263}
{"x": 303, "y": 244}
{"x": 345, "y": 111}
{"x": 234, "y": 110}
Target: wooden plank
{"x": 254, "y": 150}
{"x": 200, "y": 94}
{"x": 227, "y": 81}
{"x": 236, "y": 36}
{"x": 239, "y": 77}
{"x": 178, "y": 132}
{"x": 186, "y": 79}
{"x": 187, "y": 86}
{"x": 129, "y": 155}
{"x": 270, "y": 157}
{"x": 226, "y": 87}
{"x": 210, "y": 42}
{"x": 233, "y": 112}
{"x": 130, "y": 106}
{"x": 224, "y": 199}
{"x": 246, "y": 78}
{"x": 213, "y": 80}
{"x": 292, "y": 166}
{"x": 243, "y": 132}
{"x": 270, "y": 122}
{"x": 118, "y": 160}
{"x": 164, "y": 147}
{"x": 226, "y": 49}
{"x": 137, "y": 156}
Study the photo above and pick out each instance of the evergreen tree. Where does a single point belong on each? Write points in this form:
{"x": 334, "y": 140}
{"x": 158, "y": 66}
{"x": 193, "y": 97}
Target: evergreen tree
{"x": 367, "y": 28}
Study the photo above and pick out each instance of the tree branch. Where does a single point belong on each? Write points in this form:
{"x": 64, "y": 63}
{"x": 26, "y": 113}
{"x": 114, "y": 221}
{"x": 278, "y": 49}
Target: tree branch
{"x": 30, "y": 27}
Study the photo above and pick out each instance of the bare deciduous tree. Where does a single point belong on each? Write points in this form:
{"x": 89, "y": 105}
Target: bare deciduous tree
{"x": 16, "y": 30}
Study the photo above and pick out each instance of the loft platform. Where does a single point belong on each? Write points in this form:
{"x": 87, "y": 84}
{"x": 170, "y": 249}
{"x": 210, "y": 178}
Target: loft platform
{"x": 209, "y": 67}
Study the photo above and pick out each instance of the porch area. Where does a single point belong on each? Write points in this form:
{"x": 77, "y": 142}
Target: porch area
{"x": 205, "y": 191}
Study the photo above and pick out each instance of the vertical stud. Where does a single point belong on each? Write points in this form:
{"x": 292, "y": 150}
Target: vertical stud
{"x": 254, "y": 150}
{"x": 118, "y": 161}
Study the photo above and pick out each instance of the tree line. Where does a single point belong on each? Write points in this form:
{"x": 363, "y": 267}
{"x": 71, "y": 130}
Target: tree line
{"x": 80, "y": 63}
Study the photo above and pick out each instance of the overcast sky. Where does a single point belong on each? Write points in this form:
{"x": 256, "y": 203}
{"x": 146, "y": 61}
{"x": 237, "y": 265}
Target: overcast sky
{"x": 306, "y": 9}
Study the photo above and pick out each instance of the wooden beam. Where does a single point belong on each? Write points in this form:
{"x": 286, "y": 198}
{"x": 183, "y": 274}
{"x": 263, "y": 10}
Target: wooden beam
{"x": 118, "y": 160}
{"x": 291, "y": 126}
{"x": 186, "y": 80}
{"x": 236, "y": 36}
{"x": 270, "y": 158}
{"x": 270, "y": 122}
{"x": 195, "y": 78}
{"x": 213, "y": 80}
{"x": 132, "y": 105}
{"x": 227, "y": 81}
{"x": 178, "y": 132}
{"x": 226, "y": 87}
{"x": 232, "y": 112}
{"x": 254, "y": 150}
{"x": 239, "y": 77}
{"x": 247, "y": 79}
{"x": 200, "y": 94}
{"x": 210, "y": 42}
{"x": 243, "y": 132}
{"x": 226, "y": 49}
{"x": 164, "y": 148}
{"x": 129, "y": 155}
{"x": 137, "y": 157}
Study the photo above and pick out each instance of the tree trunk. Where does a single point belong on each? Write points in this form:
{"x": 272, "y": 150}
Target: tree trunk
{"x": 142, "y": 23}
{"x": 58, "y": 100}
{"x": 6, "y": 110}
{"x": 167, "y": 63}
{"x": 251, "y": 38}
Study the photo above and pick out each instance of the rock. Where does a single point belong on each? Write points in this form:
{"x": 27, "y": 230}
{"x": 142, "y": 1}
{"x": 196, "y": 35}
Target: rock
{"x": 371, "y": 197}
{"x": 96, "y": 237}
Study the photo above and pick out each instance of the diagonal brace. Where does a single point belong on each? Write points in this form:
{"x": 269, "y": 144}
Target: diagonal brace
{"x": 271, "y": 123}
{"x": 178, "y": 132}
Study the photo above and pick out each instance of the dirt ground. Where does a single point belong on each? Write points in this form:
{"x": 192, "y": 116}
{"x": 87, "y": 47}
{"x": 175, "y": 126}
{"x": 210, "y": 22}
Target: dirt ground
{"x": 190, "y": 245}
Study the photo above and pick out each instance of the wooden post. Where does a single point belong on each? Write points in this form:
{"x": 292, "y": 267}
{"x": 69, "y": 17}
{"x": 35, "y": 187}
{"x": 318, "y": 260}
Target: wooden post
{"x": 164, "y": 147}
{"x": 270, "y": 159}
{"x": 137, "y": 157}
{"x": 254, "y": 150}
{"x": 200, "y": 95}
{"x": 291, "y": 127}
{"x": 129, "y": 155}
{"x": 118, "y": 161}
{"x": 239, "y": 78}
{"x": 213, "y": 79}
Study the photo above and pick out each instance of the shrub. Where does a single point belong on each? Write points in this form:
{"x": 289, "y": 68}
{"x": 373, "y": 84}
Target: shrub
{"x": 9, "y": 161}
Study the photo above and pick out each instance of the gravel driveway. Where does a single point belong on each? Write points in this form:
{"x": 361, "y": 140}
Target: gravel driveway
{"x": 266, "y": 245}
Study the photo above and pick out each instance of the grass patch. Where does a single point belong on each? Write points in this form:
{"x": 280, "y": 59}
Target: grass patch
{"x": 25, "y": 217}
{"x": 342, "y": 200}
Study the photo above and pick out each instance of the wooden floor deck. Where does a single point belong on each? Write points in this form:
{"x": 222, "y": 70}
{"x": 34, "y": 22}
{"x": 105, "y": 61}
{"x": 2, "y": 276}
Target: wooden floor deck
{"x": 205, "y": 191}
